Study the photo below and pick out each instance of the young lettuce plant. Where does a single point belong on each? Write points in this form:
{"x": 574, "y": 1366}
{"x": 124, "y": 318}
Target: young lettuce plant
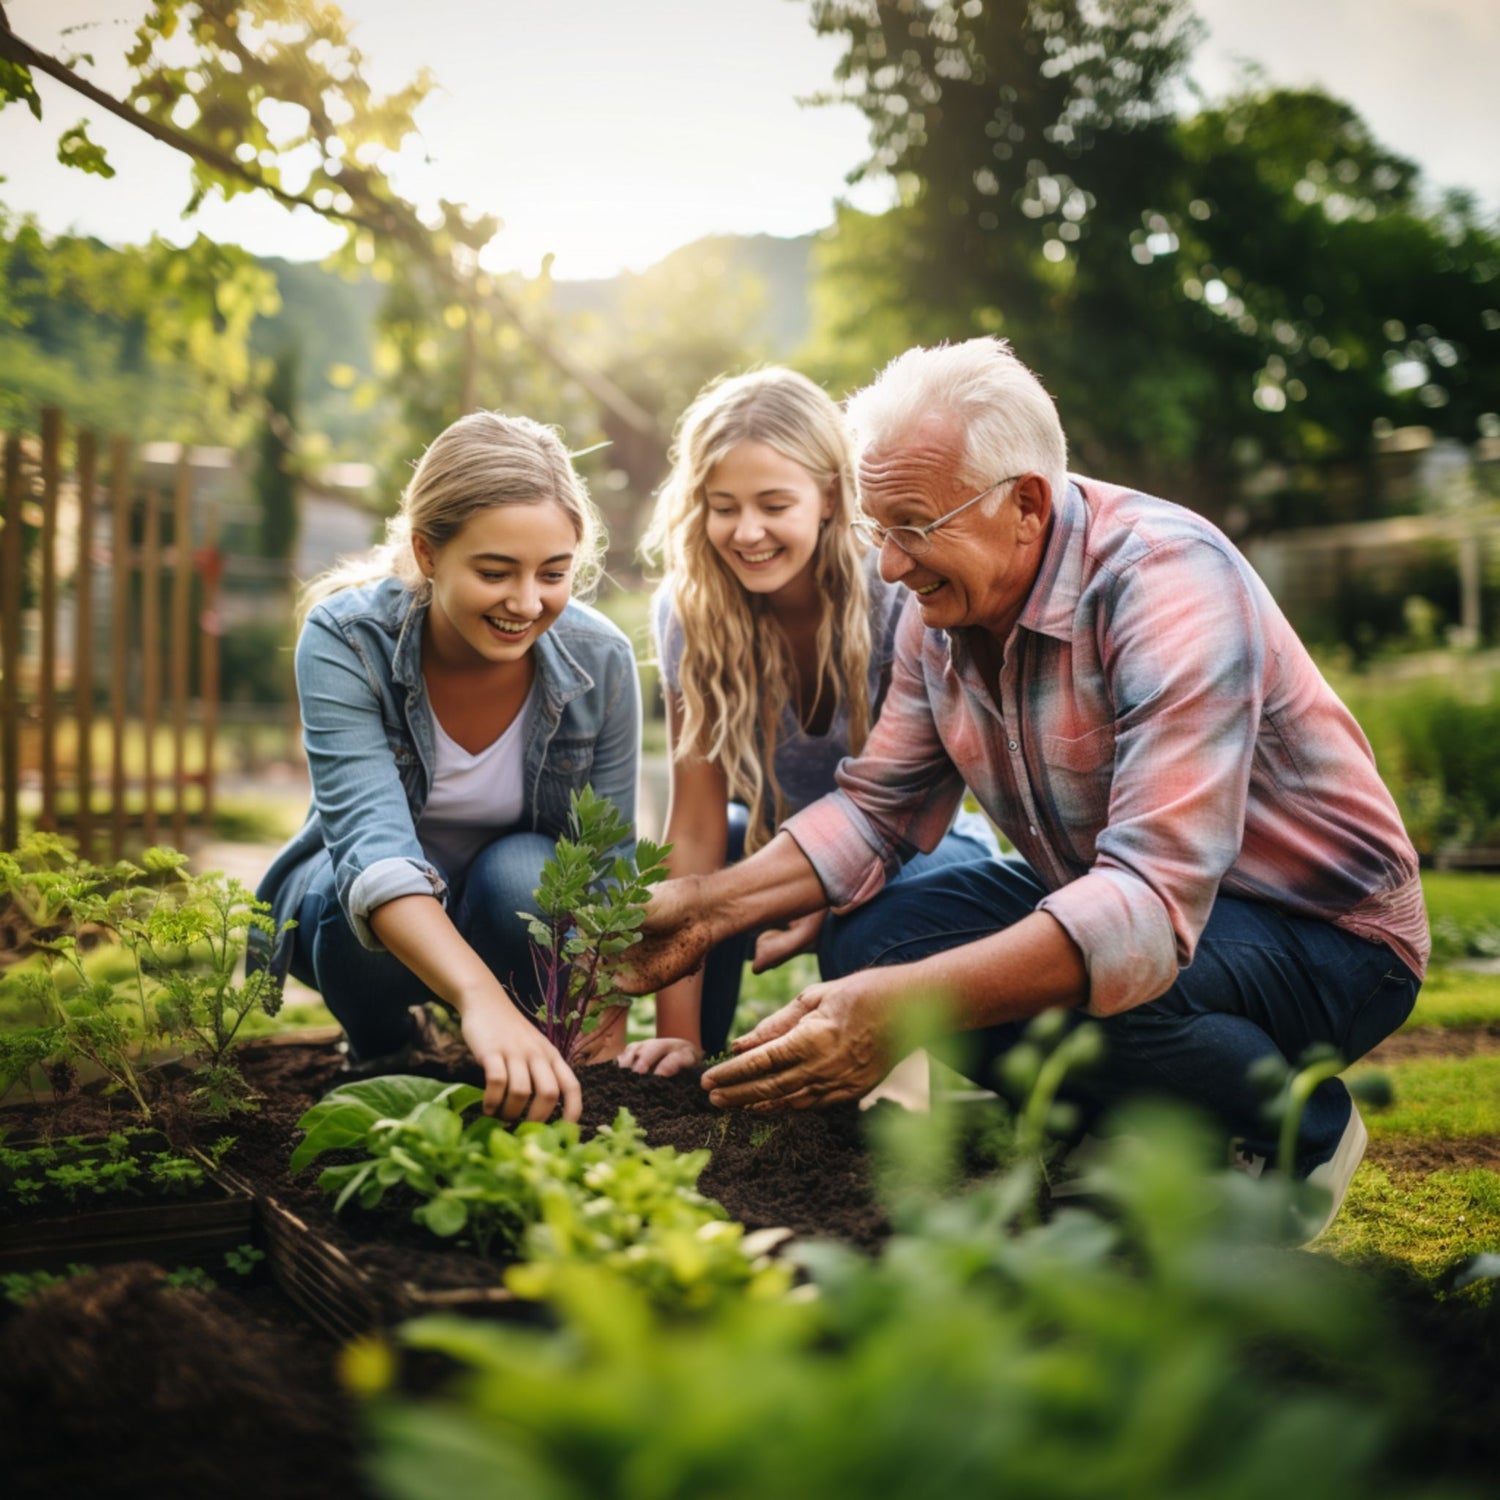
{"x": 539, "y": 1191}
{"x": 592, "y": 900}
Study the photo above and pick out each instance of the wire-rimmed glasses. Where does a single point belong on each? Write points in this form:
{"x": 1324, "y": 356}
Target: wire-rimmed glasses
{"x": 916, "y": 541}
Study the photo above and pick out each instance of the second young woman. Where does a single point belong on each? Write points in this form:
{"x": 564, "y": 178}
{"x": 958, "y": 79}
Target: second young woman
{"x": 774, "y": 632}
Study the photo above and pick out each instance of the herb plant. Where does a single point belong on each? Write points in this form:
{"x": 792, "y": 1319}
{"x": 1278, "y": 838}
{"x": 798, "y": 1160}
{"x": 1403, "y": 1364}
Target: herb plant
{"x": 539, "y": 1191}
{"x": 180, "y": 937}
{"x": 591, "y": 900}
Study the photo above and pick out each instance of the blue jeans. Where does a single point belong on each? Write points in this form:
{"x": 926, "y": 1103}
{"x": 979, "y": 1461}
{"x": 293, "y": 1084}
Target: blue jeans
{"x": 370, "y": 993}
{"x": 1261, "y": 984}
{"x": 967, "y": 841}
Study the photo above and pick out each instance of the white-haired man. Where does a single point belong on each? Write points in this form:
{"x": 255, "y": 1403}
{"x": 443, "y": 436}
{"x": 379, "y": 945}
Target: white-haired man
{"x": 1210, "y": 863}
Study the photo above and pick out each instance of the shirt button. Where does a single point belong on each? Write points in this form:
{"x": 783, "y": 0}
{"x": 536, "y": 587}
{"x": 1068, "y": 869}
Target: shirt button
{"x": 1033, "y": 828}
{"x": 1014, "y": 746}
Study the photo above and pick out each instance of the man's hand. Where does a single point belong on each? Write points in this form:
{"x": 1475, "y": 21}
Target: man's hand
{"x": 675, "y": 938}
{"x": 662, "y": 1055}
{"x": 777, "y": 944}
{"x": 524, "y": 1076}
{"x": 833, "y": 1042}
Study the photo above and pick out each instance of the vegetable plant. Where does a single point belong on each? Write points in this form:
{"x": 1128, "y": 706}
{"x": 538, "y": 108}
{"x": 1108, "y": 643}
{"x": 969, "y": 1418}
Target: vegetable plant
{"x": 591, "y": 901}
{"x": 539, "y": 1190}
{"x": 181, "y": 938}
{"x": 75, "y": 1168}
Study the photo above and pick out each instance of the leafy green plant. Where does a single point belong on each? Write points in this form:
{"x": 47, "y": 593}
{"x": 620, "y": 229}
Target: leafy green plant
{"x": 181, "y": 938}
{"x": 591, "y": 901}
{"x": 538, "y": 1190}
{"x": 243, "y": 1259}
{"x": 77, "y": 1168}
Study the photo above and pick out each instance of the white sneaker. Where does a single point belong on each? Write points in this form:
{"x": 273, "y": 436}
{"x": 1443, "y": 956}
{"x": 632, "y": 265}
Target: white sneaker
{"x": 1335, "y": 1174}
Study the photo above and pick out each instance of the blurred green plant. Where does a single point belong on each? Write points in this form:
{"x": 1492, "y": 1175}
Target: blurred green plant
{"x": 1149, "y": 1349}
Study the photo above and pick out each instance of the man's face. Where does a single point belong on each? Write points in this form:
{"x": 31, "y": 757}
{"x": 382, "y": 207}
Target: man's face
{"x": 979, "y": 568}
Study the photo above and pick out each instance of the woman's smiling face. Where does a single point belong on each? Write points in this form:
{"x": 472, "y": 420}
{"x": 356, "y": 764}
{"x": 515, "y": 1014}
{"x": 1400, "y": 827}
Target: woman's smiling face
{"x": 499, "y": 582}
{"x": 765, "y": 512}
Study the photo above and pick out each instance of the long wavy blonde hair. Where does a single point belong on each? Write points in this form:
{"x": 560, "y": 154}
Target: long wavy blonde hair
{"x": 483, "y": 459}
{"x": 737, "y": 675}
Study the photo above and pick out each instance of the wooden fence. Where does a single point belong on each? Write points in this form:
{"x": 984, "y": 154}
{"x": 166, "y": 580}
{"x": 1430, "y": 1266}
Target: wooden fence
{"x": 82, "y": 721}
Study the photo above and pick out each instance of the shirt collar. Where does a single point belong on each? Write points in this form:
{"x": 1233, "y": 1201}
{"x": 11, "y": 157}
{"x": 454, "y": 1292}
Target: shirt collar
{"x": 1053, "y": 601}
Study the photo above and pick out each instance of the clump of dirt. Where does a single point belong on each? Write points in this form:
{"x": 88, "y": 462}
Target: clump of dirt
{"x": 1418, "y": 1156}
{"x": 112, "y": 1381}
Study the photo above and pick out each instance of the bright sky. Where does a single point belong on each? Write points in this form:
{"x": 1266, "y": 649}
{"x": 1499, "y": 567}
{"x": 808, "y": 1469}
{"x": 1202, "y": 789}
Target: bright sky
{"x": 610, "y": 132}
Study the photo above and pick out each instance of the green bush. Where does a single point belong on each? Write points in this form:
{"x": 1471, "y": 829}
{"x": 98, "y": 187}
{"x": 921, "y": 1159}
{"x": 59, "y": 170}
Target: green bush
{"x": 1438, "y": 754}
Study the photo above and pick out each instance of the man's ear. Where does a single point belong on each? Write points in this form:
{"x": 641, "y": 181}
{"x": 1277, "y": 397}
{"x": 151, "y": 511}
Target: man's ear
{"x": 1034, "y": 501}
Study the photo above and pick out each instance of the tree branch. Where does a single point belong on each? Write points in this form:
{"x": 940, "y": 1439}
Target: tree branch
{"x": 404, "y": 229}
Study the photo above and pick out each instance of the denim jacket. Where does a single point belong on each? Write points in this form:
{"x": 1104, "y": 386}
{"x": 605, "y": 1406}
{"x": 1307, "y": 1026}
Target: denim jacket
{"x": 368, "y": 732}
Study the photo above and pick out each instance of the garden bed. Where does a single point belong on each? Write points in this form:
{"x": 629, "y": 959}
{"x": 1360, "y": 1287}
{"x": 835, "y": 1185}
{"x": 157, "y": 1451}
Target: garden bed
{"x": 809, "y": 1173}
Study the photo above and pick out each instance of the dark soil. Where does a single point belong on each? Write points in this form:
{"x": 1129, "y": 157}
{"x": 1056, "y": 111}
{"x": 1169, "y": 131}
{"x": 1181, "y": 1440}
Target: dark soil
{"x": 117, "y": 1385}
{"x": 1419, "y": 1157}
{"x": 809, "y": 1173}
{"x": 1437, "y": 1041}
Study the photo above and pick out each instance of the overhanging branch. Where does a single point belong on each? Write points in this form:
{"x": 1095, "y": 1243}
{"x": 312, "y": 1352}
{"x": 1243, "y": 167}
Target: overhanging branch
{"x": 404, "y": 229}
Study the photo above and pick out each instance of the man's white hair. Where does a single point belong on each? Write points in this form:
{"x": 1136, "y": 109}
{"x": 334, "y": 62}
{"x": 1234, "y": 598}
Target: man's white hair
{"x": 1009, "y": 422}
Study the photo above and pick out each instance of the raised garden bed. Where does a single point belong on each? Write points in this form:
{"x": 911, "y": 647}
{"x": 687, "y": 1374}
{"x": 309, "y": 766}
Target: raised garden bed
{"x": 49, "y": 1226}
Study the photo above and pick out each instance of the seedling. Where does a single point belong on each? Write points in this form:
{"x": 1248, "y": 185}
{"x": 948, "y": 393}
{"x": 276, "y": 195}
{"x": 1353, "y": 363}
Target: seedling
{"x": 592, "y": 901}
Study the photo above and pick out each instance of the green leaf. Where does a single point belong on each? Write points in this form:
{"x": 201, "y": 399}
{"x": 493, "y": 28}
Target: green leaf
{"x": 16, "y": 87}
{"x": 345, "y": 1117}
{"x": 445, "y": 1215}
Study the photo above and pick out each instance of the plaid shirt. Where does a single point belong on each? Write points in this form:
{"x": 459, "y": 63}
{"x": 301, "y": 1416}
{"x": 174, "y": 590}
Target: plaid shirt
{"x": 1161, "y": 735}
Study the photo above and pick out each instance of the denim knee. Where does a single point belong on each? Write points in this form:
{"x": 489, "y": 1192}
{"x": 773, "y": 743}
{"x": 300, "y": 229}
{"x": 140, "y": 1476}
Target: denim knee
{"x": 499, "y": 885}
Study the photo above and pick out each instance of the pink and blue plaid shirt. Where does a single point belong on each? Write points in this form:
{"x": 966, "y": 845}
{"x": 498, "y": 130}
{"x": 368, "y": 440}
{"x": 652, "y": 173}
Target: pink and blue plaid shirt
{"x": 1162, "y": 736}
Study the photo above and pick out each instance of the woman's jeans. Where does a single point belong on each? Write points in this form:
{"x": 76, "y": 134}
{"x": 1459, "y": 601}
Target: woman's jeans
{"x": 370, "y": 993}
{"x": 1261, "y": 985}
{"x": 968, "y": 840}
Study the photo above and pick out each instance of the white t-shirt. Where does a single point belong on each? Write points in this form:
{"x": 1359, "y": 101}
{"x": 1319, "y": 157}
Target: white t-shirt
{"x": 474, "y": 798}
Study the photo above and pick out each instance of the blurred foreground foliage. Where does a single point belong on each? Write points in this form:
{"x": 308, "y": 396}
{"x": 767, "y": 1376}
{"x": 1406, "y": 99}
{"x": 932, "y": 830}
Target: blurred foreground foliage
{"x": 1151, "y": 1345}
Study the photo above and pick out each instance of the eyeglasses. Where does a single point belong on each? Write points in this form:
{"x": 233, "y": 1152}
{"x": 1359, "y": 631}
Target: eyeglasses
{"x": 916, "y": 541}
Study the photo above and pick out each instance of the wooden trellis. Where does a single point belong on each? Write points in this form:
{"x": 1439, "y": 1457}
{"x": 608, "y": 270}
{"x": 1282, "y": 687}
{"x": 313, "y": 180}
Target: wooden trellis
{"x": 70, "y": 529}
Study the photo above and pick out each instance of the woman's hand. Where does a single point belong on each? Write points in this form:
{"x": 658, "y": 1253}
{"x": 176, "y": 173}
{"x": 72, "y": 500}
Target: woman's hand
{"x": 606, "y": 1040}
{"x": 777, "y": 944}
{"x": 662, "y": 1055}
{"x": 524, "y": 1076}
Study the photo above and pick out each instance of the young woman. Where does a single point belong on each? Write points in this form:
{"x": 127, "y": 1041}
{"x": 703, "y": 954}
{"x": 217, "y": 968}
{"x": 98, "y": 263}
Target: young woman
{"x": 775, "y": 632}
{"x": 453, "y": 694}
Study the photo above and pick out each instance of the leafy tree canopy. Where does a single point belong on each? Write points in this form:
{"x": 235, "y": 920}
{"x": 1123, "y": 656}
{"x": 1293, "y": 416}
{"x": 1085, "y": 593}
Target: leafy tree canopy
{"x": 1256, "y": 282}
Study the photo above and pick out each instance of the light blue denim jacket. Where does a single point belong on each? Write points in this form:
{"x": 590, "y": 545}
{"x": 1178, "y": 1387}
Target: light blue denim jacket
{"x": 368, "y": 731}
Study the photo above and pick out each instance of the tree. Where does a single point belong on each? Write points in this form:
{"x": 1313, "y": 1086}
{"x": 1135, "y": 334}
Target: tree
{"x": 1202, "y": 296}
{"x": 275, "y": 467}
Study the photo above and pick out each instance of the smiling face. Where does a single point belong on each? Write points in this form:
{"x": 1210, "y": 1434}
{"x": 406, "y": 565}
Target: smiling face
{"x": 765, "y": 512}
{"x": 498, "y": 583}
{"x": 981, "y": 566}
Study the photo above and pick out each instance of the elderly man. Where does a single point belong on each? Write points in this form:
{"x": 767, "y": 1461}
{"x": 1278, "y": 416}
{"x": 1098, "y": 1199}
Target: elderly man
{"x": 1210, "y": 863}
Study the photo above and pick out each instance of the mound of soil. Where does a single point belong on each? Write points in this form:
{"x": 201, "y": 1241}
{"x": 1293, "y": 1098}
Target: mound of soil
{"x": 116, "y": 1384}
